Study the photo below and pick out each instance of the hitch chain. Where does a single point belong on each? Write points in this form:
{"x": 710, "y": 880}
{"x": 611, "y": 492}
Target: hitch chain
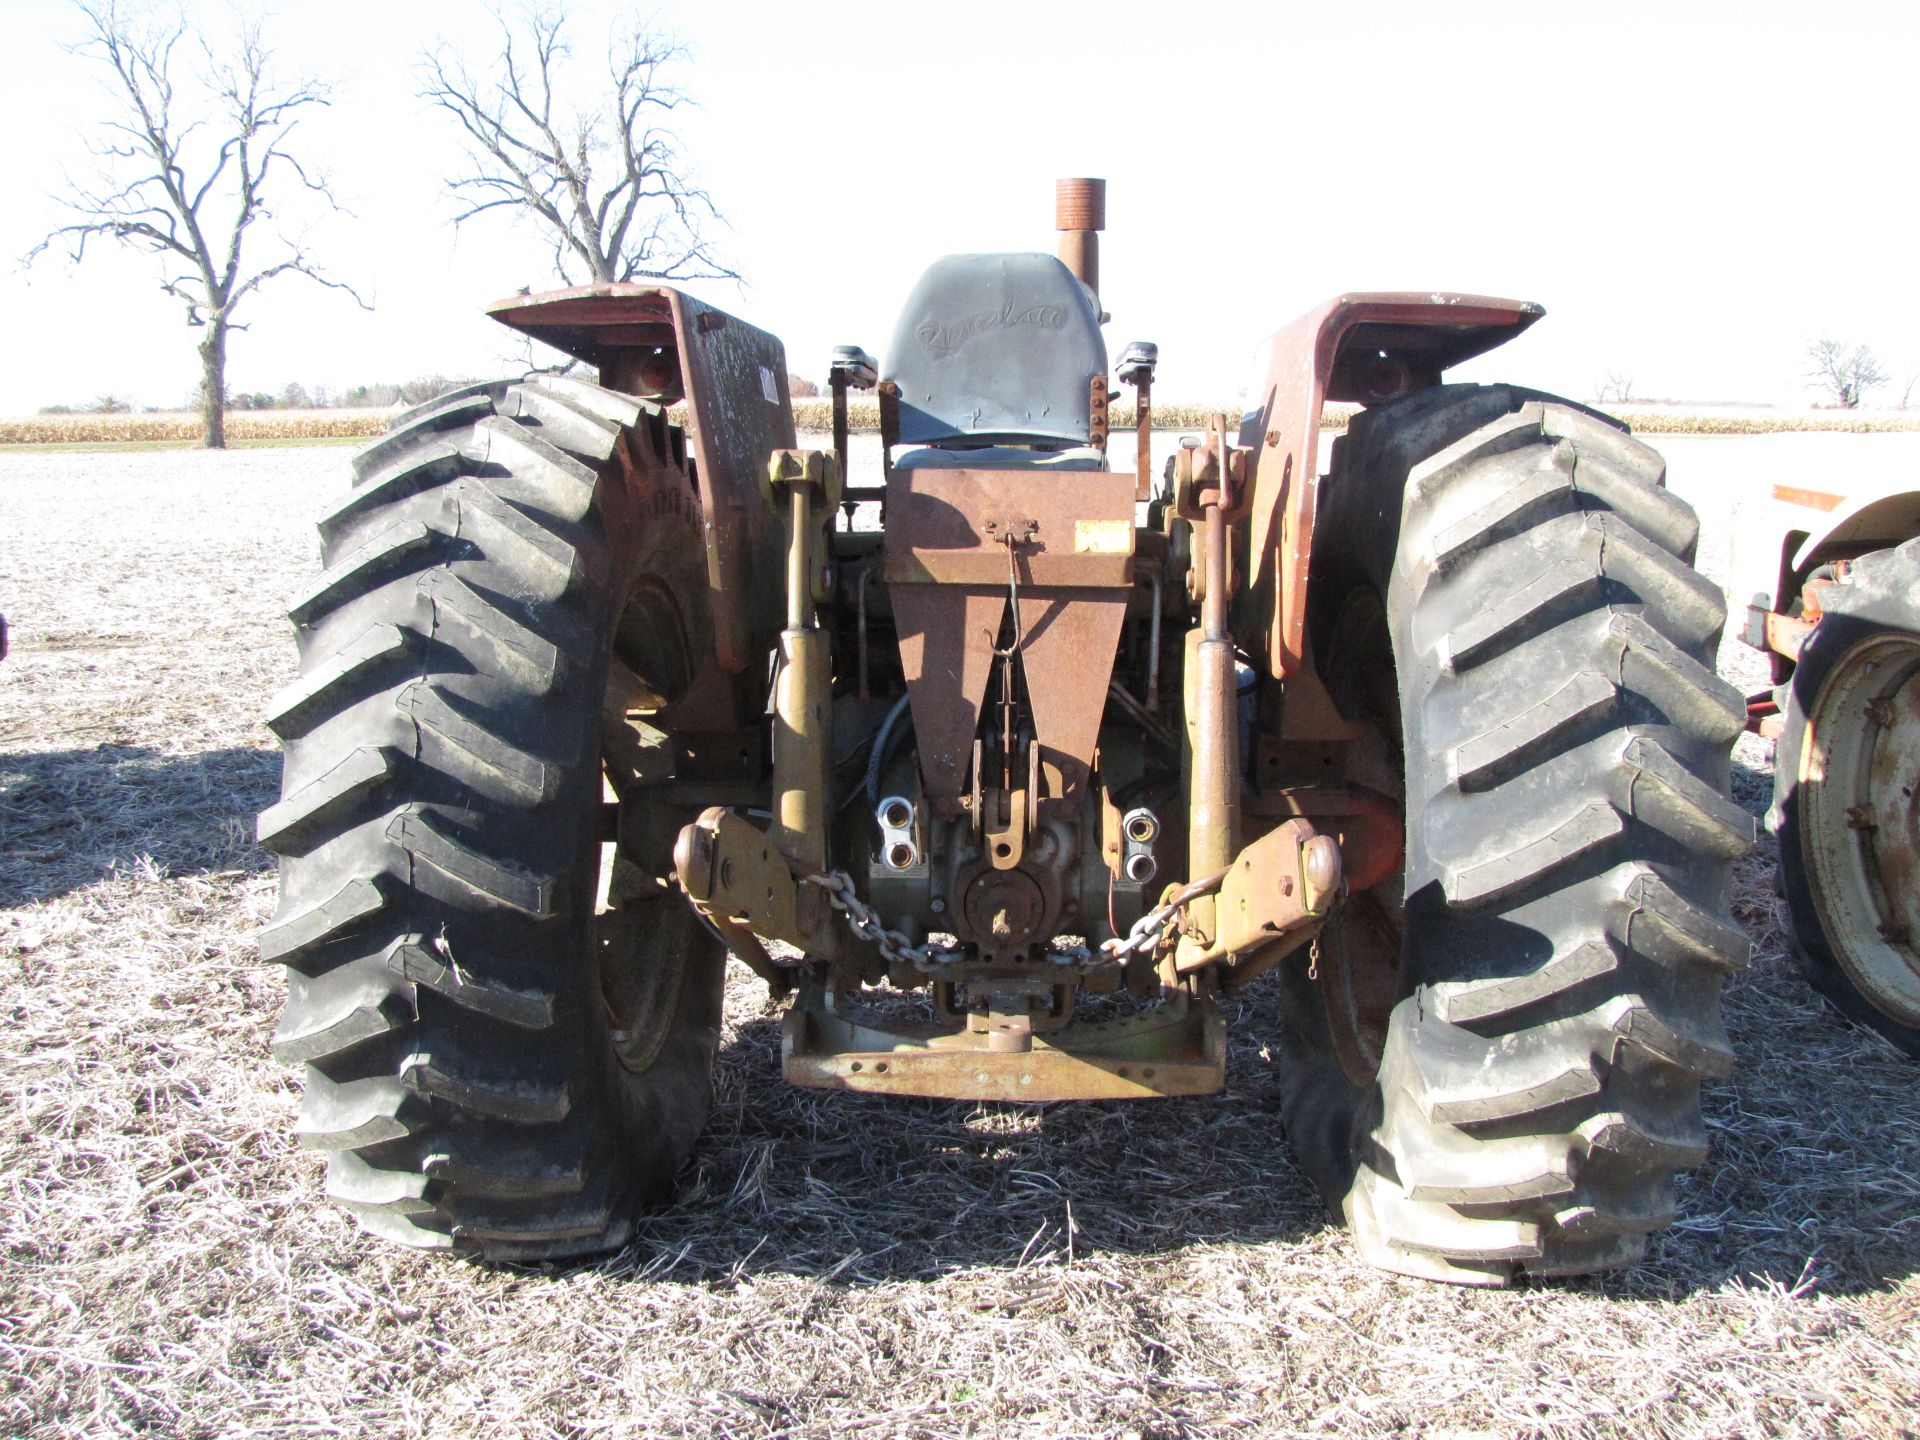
{"x": 1146, "y": 933}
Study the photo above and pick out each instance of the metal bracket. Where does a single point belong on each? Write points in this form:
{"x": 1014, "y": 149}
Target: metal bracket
{"x": 814, "y": 470}
{"x": 1212, "y": 473}
{"x": 1178, "y": 1049}
{"x": 1767, "y": 629}
{"x": 738, "y": 878}
{"x": 1276, "y": 893}
{"x": 1097, "y": 399}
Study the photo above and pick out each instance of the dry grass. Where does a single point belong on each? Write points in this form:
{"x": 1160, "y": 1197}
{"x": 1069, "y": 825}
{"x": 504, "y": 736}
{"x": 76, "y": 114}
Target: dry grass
{"x": 837, "y": 1266}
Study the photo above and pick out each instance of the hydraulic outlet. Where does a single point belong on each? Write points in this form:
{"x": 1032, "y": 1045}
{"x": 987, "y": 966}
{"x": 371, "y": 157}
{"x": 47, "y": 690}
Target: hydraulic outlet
{"x": 1139, "y": 829}
{"x": 899, "y": 827}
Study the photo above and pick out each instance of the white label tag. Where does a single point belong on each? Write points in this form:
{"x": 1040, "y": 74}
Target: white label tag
{"x": 1103, "y": 537}
{"x": 767, "y": 387}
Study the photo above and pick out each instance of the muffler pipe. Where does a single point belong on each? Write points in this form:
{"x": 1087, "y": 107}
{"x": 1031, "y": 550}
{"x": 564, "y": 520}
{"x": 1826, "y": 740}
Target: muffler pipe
{"x": 1080, "y": 214}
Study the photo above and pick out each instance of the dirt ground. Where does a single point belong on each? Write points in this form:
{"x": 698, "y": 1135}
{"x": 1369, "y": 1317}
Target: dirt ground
{"x": 836, "y": 1266}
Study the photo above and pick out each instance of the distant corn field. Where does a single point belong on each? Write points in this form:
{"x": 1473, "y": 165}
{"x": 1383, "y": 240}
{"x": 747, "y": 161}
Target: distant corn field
{"x": 815, "y": 416}
{"x": 1683, "y": 422}
{"x": 188, "y": 428}
{"x": 863, "y": 413}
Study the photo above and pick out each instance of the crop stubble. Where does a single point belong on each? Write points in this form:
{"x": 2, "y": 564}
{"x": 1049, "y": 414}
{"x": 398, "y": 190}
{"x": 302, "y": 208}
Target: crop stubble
{"x": 837, "y": 1265}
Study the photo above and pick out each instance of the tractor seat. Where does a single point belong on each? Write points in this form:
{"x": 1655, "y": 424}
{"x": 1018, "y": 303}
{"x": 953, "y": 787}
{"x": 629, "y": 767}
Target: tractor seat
{"x": 995, "y": 357}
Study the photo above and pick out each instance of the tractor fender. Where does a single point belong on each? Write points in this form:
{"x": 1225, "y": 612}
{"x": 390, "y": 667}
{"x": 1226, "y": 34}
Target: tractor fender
{"x": 1368, "y": 347}
{"x": 1781, "y": 539}
{"x": 665, "y": 346}
{"x": 1870, "y": 522}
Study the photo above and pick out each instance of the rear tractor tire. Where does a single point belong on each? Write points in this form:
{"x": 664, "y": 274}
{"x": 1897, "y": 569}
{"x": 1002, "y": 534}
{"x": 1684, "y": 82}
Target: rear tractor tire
{"x": 1846, "y": 808}
{"x": 508, "y": 1030}
{"x": 1496, "y": 1069}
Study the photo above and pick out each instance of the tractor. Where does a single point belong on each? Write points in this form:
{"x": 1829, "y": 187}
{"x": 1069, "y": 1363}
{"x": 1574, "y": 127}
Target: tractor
{"x": 1007, "y": 764}
{"x": 1830, "y": 569}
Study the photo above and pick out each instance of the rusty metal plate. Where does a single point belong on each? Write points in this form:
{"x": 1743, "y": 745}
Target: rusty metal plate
{"x": 1367, "y": 826}
{"x": 989, "y": 567}
{"x": 1073, "y": 565}
{"x": 1160, "y": 1053}
{"x": 946, "y": 652}
{"x": 1060, "y": 513}
{"x": 739, "y": 413}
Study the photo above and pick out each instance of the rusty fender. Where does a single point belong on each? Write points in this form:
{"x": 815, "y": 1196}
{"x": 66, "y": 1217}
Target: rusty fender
{"x": 1365, "y": 347}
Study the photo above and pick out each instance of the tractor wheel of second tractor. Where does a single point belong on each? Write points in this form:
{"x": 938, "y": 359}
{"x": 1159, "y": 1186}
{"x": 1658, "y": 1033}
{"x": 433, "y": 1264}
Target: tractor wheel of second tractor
{"x": 1846, "y": 783}
{"x": 1496, "y": 1069}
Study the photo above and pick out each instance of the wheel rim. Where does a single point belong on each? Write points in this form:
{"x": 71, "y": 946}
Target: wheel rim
{"x": 1859, "y": 786}
{"x": 641, "y": 935}
{"x": 1359, "y": 969}
{"x": 1359, "y": 977}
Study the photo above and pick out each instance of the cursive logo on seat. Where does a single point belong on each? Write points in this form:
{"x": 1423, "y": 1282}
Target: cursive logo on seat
{"x": 941, "y": 337}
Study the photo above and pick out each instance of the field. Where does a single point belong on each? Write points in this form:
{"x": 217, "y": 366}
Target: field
{"x": 293, "y": 426}
{"x": 837, "y": 1266}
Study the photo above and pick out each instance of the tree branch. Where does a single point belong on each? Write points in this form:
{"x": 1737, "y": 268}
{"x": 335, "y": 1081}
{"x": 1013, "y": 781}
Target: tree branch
{"x": 612, "y": 193}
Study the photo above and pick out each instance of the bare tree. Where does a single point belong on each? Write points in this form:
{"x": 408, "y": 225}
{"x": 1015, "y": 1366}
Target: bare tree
{"x": 1846, "y": 373}
{"x": 602, "y": 174}
{"x": 187, "y": 176}
{"x": 1617, "y": 388}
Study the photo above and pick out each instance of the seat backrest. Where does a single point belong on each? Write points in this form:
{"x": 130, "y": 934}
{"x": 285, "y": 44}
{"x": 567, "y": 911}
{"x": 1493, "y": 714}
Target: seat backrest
{"x": 997, "y": 349}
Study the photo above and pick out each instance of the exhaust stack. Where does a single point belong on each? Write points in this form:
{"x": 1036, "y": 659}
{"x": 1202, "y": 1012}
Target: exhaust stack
{"x": 1080, "y": 214}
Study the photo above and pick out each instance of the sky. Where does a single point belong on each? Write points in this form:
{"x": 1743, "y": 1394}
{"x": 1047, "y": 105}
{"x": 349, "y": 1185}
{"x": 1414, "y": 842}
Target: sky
{"x": 1694, "y": 191}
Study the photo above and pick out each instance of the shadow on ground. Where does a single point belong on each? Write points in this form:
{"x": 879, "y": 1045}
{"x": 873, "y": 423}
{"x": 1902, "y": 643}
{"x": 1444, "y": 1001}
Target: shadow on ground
{"x": 1816, "y": 1146}
{"x": 865, "y": 1189}
{"x": 71, "y": 817}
